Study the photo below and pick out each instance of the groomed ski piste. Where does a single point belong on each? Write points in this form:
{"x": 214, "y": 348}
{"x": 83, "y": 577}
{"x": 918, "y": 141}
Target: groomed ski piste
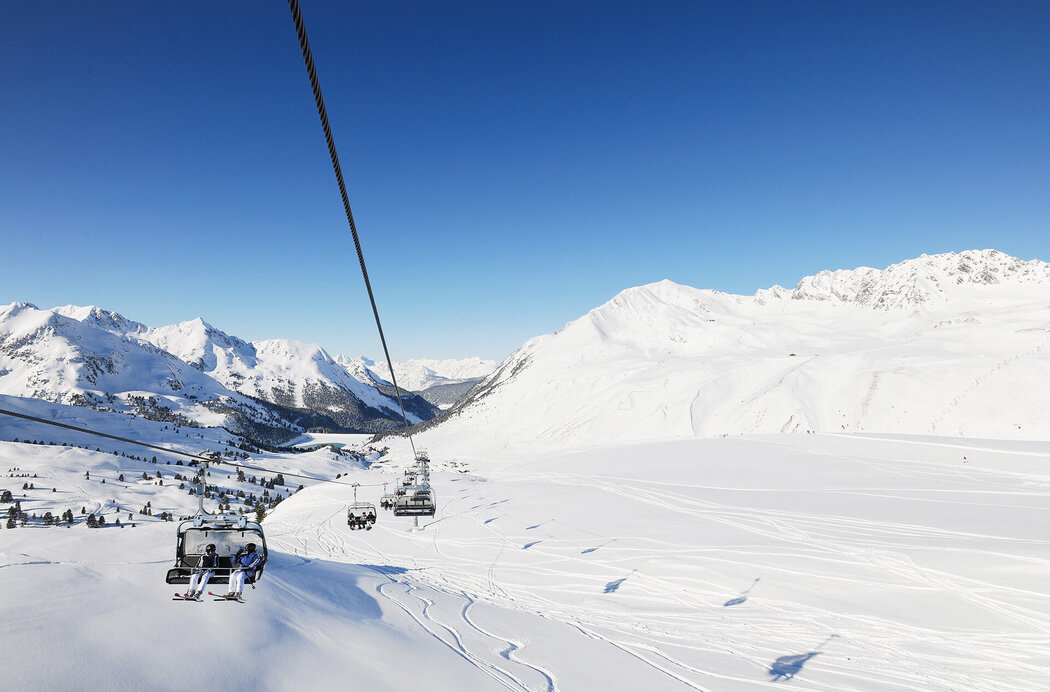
{"x": 810, "y": 561}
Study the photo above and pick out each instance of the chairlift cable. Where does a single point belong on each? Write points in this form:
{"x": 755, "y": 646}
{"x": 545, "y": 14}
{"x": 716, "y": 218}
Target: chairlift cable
{"x": 322, "y": 112}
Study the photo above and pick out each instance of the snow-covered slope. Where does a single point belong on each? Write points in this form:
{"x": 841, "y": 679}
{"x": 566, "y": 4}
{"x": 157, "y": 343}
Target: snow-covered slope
{"x": 845, "y": 563}
{"x": 946, "y": 344}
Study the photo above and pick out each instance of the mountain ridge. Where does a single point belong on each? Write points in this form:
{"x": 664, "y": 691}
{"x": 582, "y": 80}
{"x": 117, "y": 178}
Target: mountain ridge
{"x": 190, "y": 372}
{"x": 943, "y": 344}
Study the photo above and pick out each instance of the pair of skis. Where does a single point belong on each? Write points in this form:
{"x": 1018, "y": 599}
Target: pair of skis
{"x": 217, "y": 597}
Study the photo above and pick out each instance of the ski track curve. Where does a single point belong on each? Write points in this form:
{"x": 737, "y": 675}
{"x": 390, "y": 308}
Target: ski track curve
{"x": 326, "y": 540}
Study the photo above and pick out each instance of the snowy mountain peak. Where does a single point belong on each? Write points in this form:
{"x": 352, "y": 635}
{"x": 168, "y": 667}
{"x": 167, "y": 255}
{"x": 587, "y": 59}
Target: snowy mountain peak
{"x": 188, "y": 372}
{"x": 289, "y": 348}
{"x": 928, "y": 278}
{"x": 97, "y": 317}
{"x": 12, "y": 309}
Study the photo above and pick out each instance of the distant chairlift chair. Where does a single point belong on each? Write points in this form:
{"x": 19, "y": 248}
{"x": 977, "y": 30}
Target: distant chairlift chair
{"x": 417, "y": 501}
{"x": 360, "y": 515}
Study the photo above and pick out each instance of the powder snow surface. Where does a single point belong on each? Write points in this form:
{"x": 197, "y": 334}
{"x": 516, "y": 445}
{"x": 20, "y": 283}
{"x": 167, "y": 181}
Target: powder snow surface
{"x": 829, "y": 562}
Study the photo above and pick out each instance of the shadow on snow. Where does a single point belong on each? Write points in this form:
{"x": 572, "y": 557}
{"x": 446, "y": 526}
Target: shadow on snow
{"x": 327, "y": 586}
{"x": 786, "y": 667}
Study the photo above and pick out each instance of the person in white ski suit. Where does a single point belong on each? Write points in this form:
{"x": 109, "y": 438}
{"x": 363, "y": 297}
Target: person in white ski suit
{"x": 203, "y": 572}
{"x": 244, "y": 563}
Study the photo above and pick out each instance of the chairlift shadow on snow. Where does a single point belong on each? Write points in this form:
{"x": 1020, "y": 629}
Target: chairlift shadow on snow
{"x": 594, "y": 548}
{"x": 612, "y": 586}
{"x": 328, "y": 585}
{"x": 529, "y": 545}
{"x": 386, "y": 570}
{"x": 742, "y": 597}
{"x": 786, "y": 667}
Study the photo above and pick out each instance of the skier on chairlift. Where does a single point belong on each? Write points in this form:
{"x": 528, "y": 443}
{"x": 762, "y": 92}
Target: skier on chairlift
{"x": 203, "y": 572}
{"x": 244, "y": 563}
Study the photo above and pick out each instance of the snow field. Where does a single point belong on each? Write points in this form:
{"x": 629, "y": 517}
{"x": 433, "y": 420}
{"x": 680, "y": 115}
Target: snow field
{"x": 838, "y": 562}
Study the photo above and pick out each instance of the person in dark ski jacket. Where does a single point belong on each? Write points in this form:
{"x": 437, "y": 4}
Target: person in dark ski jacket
{"x": 203, "y": 572}
{"x": 244, "y": 563}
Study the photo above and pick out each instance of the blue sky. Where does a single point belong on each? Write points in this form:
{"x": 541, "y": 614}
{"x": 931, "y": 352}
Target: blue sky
{"x": 510, "y": 165}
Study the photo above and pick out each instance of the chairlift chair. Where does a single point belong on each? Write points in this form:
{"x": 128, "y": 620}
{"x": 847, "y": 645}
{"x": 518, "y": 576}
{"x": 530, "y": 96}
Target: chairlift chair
{"x": 229, "y": 534}
{"x": 418, "y": 501}
{"x": 360, "y": 515}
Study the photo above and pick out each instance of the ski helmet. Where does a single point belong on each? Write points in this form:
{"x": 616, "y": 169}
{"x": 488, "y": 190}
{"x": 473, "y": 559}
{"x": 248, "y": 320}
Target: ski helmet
{"x": 250, "y": 547}
{"x": 210, "y": 548}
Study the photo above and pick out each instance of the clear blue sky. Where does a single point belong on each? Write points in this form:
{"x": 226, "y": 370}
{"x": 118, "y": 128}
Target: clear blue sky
{"x": 510, "y": 165}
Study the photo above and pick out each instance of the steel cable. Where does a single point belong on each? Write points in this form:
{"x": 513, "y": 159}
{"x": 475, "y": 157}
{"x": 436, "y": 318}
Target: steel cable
{"x": 322, "y": 112}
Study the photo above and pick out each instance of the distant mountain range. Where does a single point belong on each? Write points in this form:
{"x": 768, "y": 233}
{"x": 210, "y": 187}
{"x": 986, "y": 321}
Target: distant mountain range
{"x": 441, "y": 382}
{"x": 951, "y": 344}
{"x": 194, "y": 374}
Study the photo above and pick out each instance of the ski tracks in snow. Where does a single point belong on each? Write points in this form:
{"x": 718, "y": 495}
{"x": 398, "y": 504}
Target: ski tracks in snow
{"x": 438, "y": 608}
